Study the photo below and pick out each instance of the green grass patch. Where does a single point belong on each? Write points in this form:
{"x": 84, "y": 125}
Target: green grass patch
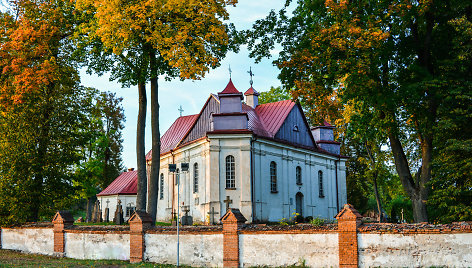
{"x": 10, "y": 258}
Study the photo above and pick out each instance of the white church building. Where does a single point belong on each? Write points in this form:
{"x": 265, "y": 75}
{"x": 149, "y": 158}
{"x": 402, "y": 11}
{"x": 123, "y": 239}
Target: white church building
{"x": 263, "y": 159}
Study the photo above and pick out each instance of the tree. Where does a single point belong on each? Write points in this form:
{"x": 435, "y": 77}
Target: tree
{"x": 175, "y": 38}
{"x": 388, "y": 55}
{"x": 101, "y": 162}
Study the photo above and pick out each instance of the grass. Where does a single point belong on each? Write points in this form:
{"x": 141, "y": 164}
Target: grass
{"x": 10, "y": 258}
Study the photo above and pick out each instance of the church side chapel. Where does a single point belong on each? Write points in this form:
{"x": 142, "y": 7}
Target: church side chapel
{"x": 263, "y": 159}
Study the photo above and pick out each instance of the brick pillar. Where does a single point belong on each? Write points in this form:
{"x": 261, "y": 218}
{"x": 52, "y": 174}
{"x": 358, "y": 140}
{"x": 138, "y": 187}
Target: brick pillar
{"x": 348, "y": 221}
{"x": 232, "y": 221}
{"x": 139, "y": 222}
{"x": 62, "y": 220}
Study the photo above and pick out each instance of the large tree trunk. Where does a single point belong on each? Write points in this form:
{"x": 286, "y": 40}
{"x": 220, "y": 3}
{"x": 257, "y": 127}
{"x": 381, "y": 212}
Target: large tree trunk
{"x": 156, "y": 142}
{"x": 377, "y": 198}
{"x": 140, "y": 153}
{"x": 416, "y": 188}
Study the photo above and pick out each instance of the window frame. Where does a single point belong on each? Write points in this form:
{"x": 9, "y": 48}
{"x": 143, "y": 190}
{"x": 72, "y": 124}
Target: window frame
{"x": 273, "y": 177}
{"x": 298, "y": 175}
{"x": 161, "y": 186}
{"x": 195, "y": 178}
{"x": 320, "y": 184}
{"x": 230, "y": 172}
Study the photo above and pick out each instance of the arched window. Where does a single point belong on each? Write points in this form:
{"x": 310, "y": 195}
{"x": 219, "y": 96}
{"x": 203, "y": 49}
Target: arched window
{"x": 299, "y": 175}
{"x": 161, "y": 187}
{"x": 230, "y": 177}
{"x": 320, "y": 183}
{"x": 177, "y": 176}
{"x": 195, "y": 178}
{"x": 273, "y": 177}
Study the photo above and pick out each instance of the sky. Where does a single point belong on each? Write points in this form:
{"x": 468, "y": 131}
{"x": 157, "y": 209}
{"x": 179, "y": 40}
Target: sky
{"x": 191, "y": 95}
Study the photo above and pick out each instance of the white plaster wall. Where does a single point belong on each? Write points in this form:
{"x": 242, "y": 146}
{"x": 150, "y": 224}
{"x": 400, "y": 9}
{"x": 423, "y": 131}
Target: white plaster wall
{"x": 30, "y": 240}
{"x": 195, "y": 250}
{"x": 275, "y": 206}
{"x": 316, "y": 250}
{"x": 97, "y": 246}
{"x": 193, "y": 153}
{"x": 126, "y": 200}
{"x": 415, "y": 250}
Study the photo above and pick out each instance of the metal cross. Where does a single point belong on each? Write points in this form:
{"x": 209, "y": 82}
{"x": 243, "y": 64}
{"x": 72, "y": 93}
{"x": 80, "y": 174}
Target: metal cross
{"x": 251, "y": 74}
{"x": 228, "y": 202}
{"x": 108, "y": 201}
{"x": 229, "y": 69}
{"x": 212, "y": 214}
{"x": 181, "y": 110}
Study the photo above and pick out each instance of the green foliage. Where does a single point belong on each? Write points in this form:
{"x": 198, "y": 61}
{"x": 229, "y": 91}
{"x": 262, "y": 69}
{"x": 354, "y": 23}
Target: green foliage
{"x": 396, "y": 64}
{"x": 317, "y": 221}
{"x": 273, "y": 95}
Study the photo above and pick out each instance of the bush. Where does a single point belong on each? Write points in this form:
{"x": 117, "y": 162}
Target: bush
{"x": 317, "y": 221}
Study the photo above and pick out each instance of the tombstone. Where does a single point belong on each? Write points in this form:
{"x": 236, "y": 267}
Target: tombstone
{"x": 94, "y": 212}
{"x": 107, "y": 215}
{"x": 228, "y": 203}
{"x": 97, "y": 215}
{"x": 212, "y": 214}
{"x": 80, "y": 219}
{"x": 119, "y": 214}
{"x": 186, "y": 220}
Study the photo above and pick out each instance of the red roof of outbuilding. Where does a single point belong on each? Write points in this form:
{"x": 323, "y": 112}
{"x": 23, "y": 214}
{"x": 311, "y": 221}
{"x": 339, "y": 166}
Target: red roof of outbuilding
{"x": 126, "y": 183}
{"x": 273, "y": 115}
{"x": 175, "y": 133}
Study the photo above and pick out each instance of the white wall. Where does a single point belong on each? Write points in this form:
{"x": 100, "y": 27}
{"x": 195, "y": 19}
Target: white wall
{"x": 126, "y": 200}
{"x": 97, "y": 246}
{"x": 29, "y": 240}
{"x": 275, "y": 206}
{"x": 415, "y": 250}
{"x": 195, "y": 250}
{"x": 316, "y": 250}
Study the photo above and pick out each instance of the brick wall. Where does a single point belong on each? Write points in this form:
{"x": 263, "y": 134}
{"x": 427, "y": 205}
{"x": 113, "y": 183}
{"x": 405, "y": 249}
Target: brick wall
{"x": 345, "y": 244}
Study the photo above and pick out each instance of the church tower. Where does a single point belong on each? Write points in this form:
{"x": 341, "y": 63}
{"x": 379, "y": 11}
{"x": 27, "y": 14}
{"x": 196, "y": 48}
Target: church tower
{"x": 231, "y": 116}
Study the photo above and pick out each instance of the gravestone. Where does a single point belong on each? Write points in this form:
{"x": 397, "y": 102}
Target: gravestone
{"x": 107, "y": 215}
{"x": 119, "y": 214}
{"x": 186, "y": 220}
{"x": 97, "y": 214}
{"x": 212, "y": 214}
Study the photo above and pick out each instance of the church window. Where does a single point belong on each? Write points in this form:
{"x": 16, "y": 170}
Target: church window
{"x": 230, "y": 177}
{"x": 177, "y": 176}
{"x": 195, "y": 178}
{"x": 299, "y": 175}
{"x": 273, "y": 177}
{"x": 161, "y": 187}
{"x": 320, "y": 183}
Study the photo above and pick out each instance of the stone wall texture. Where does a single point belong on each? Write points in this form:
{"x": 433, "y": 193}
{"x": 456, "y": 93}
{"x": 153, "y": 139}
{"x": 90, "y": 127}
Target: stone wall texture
{"x": 195, "y": 250}
{"x": 97, "y": 246}
{"x": 29, "y": 240}
{"x": 415, "y": 250}
{"x": 315, "y": 250}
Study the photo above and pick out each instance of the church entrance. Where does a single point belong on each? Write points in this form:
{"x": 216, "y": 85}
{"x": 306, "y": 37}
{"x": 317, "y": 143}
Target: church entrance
{"x": 299, "y": 203}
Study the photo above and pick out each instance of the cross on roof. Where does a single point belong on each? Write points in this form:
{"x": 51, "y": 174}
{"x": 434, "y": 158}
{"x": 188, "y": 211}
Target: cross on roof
{"x": 181, "y": 110}
{"x": 212, "y": 214}
{"x": 251, "y": 74}
{"x": 228, "y": 202}
{"x": 229, "y": 69}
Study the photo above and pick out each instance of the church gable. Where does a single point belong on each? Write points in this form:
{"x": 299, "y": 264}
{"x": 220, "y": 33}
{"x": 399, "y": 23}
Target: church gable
{"x": 295, "y": 129}
{"x": 203, "y": 123}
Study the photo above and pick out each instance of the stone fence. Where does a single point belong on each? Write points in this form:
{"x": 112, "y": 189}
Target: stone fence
{"x": 349, "y": 243}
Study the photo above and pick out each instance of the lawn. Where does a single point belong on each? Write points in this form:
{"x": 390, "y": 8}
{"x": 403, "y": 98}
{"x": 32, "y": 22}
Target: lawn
{"x": 10, "y": 258}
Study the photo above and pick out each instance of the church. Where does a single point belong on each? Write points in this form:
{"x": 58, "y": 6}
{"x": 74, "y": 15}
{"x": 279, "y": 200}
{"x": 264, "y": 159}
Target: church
{"x": 263, "y": 159}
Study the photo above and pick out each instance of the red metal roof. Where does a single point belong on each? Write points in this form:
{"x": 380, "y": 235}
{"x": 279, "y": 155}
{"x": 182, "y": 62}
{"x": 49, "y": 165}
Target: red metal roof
{"x": 175, "y": 133}
{"x": 254, "y": 122}
{"x": 272, "y": 115}
{"x": 126, "y": 183}
{"x": 251, "y": 91}
{"x": 230, "y": 89}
